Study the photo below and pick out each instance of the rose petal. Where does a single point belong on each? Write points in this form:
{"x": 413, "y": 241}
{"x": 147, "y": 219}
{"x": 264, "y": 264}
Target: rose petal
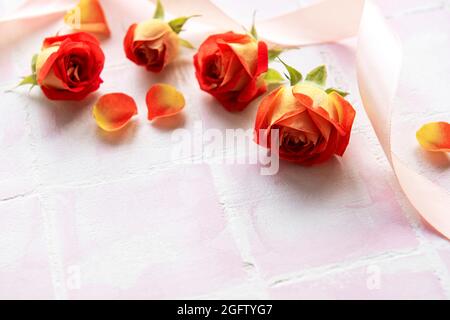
{"x": 164, "y": 100}
{"x": 152, "y": 29}
{"x": 113, "y": 111}
{"x": 88, "y": 16}
{"x": 435, "y": 136}
{"x": 246, "y": 53}
{"x": 331, "y": 107}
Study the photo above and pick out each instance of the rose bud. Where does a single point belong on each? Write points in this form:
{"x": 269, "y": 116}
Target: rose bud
{"x": 152, "y": 44}
{"x": 230, "y": 67}
{"x": 68, "y": 67}
{"x": 313, "y": 125}
{"x": 155, "y": 43}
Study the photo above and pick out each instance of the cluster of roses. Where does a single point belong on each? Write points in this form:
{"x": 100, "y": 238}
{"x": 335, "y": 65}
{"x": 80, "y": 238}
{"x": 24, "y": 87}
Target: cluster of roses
{"x": 312, "y": 123}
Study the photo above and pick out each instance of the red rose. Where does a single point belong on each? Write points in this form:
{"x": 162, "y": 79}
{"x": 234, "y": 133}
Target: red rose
{"x": 229, "y": 67}
{"x": 312, "y": 125}
{"x": 68, "y": 67}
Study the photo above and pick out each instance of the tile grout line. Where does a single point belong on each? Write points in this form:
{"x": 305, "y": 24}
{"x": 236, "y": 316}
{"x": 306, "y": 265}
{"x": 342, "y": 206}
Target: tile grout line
{"x": 322, "y": 271}
{"x": 417, "y": 10}
{"x": 240, "y": 238}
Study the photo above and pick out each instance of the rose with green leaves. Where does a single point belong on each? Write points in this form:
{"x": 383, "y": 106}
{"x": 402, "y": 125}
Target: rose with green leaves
{"x": 313, "y": 123}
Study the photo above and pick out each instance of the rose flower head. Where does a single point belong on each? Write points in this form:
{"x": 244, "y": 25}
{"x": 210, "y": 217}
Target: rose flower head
{"x": 230, "y": 67}
{"x": 68, "y": 67}
{"x": 312, "y": 124}
{"x": 155, "y": 43}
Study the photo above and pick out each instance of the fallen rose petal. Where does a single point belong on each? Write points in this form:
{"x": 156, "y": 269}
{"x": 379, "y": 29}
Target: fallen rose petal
{"x": 164, "y": 100}
{"x": 113, "y": 111}
{"x": 88, "y": 16}
{"x": 435, "y": 136}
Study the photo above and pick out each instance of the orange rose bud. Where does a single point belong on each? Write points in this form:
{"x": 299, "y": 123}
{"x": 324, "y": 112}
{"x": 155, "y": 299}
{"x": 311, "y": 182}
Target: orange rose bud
{"x": 313, "y": 125}
{"x": 88, "y": 16}
{"x": 152, "y": 44}
{"x": 435, "y": 136}
{"x": 113, "y": 111}
{"x": 229, "y": 66}
{"x": 164, "y": 100}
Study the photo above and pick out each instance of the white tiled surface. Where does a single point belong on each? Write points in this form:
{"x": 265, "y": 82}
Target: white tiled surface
{"x": 89, "y": 215}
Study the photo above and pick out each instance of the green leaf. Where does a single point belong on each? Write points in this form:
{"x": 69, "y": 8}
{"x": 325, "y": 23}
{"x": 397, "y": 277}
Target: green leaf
{"x": 178, "y": 23}
{"x": 274, "y": 53}
{"x": 272, "y": 76}
{"x": 186, "y": 44}
{"x": 294, "y": 75}
{"x": 253, "y": 31}
{"x": 318, "y": 76}
{"x": 340, "y": 92}
{"x": 159, "y": 11}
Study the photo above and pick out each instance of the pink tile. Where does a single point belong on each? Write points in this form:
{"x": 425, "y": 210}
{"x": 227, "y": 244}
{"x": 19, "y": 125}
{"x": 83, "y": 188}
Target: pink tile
{"x": 405, "y": 278}
{"x": 159, "y": 236}
{"x": 24, "y": 261}
{"x": 305, "y": 217}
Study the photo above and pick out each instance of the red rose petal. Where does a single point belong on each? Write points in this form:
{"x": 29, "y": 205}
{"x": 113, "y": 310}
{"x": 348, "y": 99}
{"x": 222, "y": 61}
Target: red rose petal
{"x": 113, "y": 111}
{"x": 163, "y": 100}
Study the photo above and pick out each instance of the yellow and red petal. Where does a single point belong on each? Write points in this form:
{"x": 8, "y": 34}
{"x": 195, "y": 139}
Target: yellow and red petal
{"x": 152, "y": 29}
{"x": 164, "y": 100}
{"x": 247, "y": 54}
{"x": 88, "y": 16}
{"x": 435, "y": 136}
{"x": 113, "y": 111}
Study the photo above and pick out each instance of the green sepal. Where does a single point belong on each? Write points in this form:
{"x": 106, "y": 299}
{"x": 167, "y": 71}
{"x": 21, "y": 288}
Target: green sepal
{"x": 294, "y": 75}
{"x": 29, "y": 80}
{"x": 159, "y": 11}
{"x": 33, "y": 63}
{"x": 340, "y": 92}
{"x": 253, "y": 31}
{"x": 274, "y": 53}
{"x": 186, "y": 44}
{"x": 272, "y": 76}
{"x": 318, "y": 76}
{"x": 178, "y": 23}
{"x": 32, "y": 78}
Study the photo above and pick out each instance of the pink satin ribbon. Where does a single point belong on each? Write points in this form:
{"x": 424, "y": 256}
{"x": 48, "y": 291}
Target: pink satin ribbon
{"x": 378, "y": 50}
